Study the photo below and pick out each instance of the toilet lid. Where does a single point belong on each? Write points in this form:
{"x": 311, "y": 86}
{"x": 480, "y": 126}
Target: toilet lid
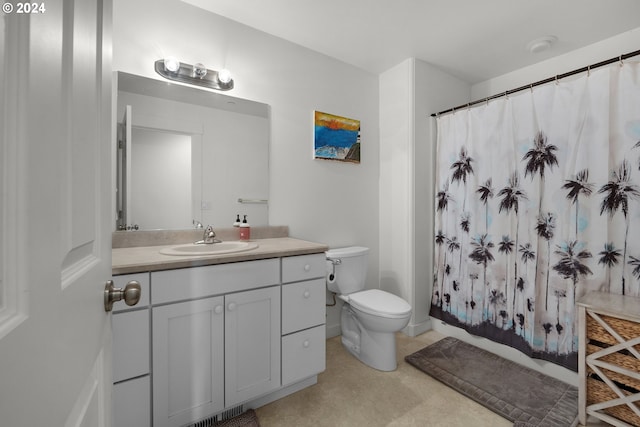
{"x": 379, "y": 303}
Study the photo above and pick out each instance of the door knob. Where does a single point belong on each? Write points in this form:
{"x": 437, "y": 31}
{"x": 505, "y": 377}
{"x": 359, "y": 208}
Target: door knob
{"x": 130, "y": 294}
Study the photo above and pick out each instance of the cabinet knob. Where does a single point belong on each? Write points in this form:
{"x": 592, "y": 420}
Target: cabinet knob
{"x": 306, "y": 294}
{"x": 218, "y": 309}
{"x": 305, "y": 344}
{"x": 307, "y": 267}
{"x": 231, "y": 306}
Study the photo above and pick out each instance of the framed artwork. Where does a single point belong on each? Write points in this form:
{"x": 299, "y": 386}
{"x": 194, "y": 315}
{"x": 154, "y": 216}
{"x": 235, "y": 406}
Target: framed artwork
{"x": 336, "y": 138}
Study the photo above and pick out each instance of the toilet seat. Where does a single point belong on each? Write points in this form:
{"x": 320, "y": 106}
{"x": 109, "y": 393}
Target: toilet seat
{"x": 379, "y": 303}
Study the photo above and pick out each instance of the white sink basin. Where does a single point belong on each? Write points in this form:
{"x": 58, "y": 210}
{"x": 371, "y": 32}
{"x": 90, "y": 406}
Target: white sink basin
{"x": 191, "y": 249}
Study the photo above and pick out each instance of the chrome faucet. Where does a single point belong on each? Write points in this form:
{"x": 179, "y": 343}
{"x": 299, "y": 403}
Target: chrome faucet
{"x": 209, "y": 237}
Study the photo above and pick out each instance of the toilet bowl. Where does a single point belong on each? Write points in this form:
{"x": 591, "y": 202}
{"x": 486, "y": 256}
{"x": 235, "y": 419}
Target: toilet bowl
{"x": 369, "y": 318}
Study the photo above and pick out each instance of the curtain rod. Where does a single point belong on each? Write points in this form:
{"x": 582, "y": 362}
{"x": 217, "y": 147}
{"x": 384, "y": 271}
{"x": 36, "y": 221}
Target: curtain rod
{"x": 541, "y": 82}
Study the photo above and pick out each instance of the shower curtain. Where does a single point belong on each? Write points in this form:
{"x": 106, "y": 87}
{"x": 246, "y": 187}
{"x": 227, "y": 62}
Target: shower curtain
{"x": 538, "y": 203}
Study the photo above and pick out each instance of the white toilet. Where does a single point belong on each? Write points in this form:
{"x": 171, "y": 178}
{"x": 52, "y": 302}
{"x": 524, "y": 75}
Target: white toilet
{"x": 370, "y": 318}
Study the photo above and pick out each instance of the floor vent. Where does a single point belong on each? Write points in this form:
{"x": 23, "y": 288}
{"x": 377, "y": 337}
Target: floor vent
{"x": 207, "y": 422}
{"x": 216, "y": 419}
{"x": 230, "y": 413}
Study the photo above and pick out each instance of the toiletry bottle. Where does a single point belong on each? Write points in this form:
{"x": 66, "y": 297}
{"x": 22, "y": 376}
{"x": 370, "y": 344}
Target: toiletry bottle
{"x": 237, "y": 222}
{"x": 245, "y": 229}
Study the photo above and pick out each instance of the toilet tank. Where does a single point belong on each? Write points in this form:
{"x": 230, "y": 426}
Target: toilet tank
{"x": 350, "y": 271}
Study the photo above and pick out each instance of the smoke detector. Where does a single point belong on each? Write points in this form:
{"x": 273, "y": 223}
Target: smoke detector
{"x": 541, "y": 44}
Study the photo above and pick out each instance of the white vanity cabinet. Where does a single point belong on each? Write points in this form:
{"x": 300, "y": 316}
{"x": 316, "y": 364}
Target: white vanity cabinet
{"x": 216, "y": 338}
{"x": 207, "y": 340}
{"x": 131, "y": 370}
{"x": 303, "y": 317}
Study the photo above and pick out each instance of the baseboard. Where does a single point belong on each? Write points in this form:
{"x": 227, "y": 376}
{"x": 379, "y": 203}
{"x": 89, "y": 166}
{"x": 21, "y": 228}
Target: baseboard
{"x": 413, "y": 330}
{"x": 333, "y": 331}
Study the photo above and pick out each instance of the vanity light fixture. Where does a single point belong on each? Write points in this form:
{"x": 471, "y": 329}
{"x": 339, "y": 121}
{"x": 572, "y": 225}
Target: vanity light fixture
{"x": 198, "y": 74}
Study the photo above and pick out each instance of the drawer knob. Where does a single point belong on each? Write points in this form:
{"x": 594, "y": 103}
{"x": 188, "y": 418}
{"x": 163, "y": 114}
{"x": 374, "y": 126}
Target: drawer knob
{"x": 231, "y": 306}
{"x": 307, "y": 267}
{"x": 305, "y": 344}
{"x": 306, "y": 294}
{"x": 218, "y": 309}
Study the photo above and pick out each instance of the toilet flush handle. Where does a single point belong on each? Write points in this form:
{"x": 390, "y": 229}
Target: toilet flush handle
{"x": 334, "y": 262}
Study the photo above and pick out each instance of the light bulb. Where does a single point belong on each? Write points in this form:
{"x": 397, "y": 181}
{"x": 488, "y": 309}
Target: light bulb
{"x": 171, "y": 64}
{"x": 199, "y": 71}
{"x": 224, "y": 76}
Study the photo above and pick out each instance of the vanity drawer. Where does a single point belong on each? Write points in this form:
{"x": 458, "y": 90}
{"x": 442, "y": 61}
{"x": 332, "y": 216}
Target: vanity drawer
{"x": 303, "y": 354}
{"x": 303, "y": 305}
{"x": 303, "y": 267}
{"x": 131, "y": 403}
{"x": 121, "y": 282}
{"x": 130, "y": 344}
{"x": 200, "y": 282}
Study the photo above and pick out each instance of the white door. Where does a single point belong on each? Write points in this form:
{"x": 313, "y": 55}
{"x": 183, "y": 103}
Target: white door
{"x": 56, "y": 215}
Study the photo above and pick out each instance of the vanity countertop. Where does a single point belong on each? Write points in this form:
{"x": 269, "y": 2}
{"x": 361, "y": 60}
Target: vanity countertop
{"x": 148, "y": 258}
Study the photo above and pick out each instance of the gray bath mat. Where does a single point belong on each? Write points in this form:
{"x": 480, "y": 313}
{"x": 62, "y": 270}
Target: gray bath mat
{"x": 517, "y": 393}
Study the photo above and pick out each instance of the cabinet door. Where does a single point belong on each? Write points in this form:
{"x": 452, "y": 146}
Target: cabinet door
{"x": 252, "y": 344}
{"x": 188, "y": 364}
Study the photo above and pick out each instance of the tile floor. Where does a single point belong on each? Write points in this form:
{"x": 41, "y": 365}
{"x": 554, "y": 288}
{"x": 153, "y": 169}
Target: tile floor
{"x": 350, "y": 394}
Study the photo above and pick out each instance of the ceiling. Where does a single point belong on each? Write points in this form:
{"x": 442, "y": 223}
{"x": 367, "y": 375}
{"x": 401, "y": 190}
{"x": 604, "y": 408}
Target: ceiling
{"x": 474, "y": 40}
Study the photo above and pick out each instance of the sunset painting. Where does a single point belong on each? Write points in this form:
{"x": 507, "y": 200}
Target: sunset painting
{"x": 336, "y": 138}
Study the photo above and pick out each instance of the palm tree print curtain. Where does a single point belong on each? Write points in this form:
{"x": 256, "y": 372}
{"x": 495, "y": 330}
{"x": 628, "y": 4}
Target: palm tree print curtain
{"x": 538, "y": 202}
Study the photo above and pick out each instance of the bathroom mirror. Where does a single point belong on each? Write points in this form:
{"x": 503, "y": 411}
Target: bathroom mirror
{"x": 188, "y": 156}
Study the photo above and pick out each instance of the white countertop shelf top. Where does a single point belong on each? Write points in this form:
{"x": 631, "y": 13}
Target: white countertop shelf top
{"x": 148, "y": 258}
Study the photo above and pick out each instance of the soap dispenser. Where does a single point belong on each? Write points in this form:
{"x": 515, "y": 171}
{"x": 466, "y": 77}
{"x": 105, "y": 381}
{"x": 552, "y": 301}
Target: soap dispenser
{"x": 237, "y": 222}
{"x": 245, "y": 229}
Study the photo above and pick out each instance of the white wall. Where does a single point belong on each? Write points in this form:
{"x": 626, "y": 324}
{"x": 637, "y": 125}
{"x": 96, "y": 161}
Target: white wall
{"x": 396, "y": 179}
{"x": 409, "y": 93}
{"x": 624, "y": 43}
{"x": 329, "y": 202}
